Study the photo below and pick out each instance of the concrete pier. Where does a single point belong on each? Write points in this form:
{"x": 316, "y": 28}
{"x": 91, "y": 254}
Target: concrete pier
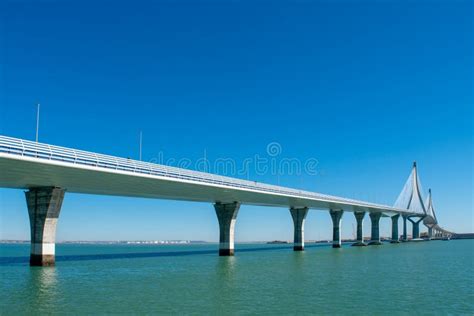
{"x": 405, "y": 235}
{"x": 336, "y": 216}
{"x": 395, "y": 236}
{"x": 360, "y": 238}
{"x": 375, "y": 232}
{"x": 416, "y": 228}
{"x": 226, "y": 215}
{"x": 430, "y": 233}
{"x": 44, "y": 206}
{"x": 299, "y": 216}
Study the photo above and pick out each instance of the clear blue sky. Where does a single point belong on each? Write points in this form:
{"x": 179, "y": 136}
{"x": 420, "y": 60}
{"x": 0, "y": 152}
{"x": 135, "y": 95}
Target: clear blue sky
{"x": 364, "y": 87}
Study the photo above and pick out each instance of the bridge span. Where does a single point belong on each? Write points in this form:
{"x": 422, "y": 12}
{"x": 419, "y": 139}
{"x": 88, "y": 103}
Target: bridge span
{"x": 48, "y": 171}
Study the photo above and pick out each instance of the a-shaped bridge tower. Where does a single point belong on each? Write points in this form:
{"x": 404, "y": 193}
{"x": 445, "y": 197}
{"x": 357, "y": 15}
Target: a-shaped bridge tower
{"x": 434, "y": 230}
{"x": 411, "y": 199}
{"x": 430, "y": 221}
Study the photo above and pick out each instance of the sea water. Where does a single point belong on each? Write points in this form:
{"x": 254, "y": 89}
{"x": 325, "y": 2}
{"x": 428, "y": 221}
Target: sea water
{"x": 413, "y": 278}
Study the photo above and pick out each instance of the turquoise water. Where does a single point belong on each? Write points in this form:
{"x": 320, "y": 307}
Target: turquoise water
{"x": 435, "y": 277}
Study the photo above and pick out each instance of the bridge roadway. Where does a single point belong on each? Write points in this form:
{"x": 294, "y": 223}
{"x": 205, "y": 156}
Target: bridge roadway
{"x": 48, "y": 171}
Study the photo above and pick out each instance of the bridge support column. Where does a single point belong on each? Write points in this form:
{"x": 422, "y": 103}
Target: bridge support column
{"x": 299, "y": 216}
{"x": 395, "y": 236}
{"x": 44, "y": 206}
{"x": 416, "y": 228}
{"x": 430, "y": 233}
{"x": 375, "y": 236}
{"x": 226, "y": 215}
{"x": 336, "y": 216}
{"x": 360, "y": 237}
{"x": 405, "y": 236}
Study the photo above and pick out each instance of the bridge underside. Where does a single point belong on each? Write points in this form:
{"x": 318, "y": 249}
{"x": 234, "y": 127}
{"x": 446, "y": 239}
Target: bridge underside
{"x": 28, "y": 173}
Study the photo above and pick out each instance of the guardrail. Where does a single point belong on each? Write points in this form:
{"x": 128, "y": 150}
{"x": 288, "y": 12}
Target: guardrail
{"x": 27, "y": 148}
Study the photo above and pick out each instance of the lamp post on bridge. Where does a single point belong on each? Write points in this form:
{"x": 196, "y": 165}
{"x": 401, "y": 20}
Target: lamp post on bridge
{"x": 37, "y": 121}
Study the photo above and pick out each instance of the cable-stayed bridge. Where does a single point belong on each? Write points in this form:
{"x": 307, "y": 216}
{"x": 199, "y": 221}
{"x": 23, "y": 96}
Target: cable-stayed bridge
{"x": 411, "y": 198}
{"x": 48, "y": 171}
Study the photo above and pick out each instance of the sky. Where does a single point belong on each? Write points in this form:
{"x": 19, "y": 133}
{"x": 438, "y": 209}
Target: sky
{"x": 362, "y": 88}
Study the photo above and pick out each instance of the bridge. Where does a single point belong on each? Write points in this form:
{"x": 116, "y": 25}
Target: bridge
{"x": 47, "y": 172}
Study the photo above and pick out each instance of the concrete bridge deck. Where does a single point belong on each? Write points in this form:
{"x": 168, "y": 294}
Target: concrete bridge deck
{"x": 25, "y": 164}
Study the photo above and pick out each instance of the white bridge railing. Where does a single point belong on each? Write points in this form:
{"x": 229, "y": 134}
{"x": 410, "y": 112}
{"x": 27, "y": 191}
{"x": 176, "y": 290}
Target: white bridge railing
{"x": 25, "y": 148}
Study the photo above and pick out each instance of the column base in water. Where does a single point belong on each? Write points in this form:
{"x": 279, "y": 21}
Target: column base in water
{"x": 226, "y": 252}
{"x": 42, "y": 260}
{"x": 405, "y": 234}
{"x": 416, "y": 228}
{"x": 44, "y": 205}
{"x": 299, "y": 216}
{"x": 430, "y": 233}
{"x": 359, "y": 244}
{"x": 336, "y": 216}
{"x": 375, "y": 235}
{"x": 395, "y": 236}
{"x": 375, "y": 243}
{"x": 360, "y": 235}
{"x": 226, "y": 215}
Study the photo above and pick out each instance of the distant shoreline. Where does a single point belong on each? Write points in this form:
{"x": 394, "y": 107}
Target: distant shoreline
{"x": 118, "y": 242}
{"x": 193, "y": 242}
